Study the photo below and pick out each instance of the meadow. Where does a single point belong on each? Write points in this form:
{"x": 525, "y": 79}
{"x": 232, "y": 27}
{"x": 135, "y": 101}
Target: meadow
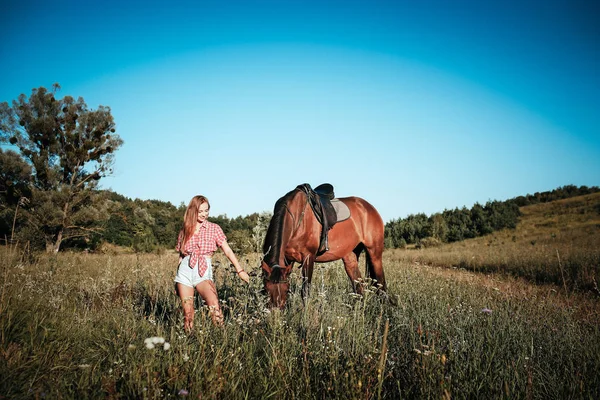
{"x": 76, "y": 325}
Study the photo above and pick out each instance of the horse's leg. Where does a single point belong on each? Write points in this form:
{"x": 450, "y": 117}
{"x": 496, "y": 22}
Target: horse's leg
{"x": 375, "y": 265}
{"x": 375, "y": 269}
{"x": 307, "y": 272}
{"x": 351, "y": 265}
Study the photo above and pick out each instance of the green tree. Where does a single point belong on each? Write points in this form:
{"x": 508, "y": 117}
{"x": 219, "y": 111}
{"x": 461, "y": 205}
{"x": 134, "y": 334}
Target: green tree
{"x": 459, "y": 223}
{"x": 479, "y": 221}
{"x": 69, "y": 148}
{"x": 259, "y": 231}
{"x": 439, "y": 227}
{"x": 15, "y": 175}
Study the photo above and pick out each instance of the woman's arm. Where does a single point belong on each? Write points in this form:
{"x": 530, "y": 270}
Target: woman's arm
{"x": 231, "y": 256}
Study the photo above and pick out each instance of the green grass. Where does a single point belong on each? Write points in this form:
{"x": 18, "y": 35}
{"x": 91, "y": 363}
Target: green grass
{"x": 74, "y": 326}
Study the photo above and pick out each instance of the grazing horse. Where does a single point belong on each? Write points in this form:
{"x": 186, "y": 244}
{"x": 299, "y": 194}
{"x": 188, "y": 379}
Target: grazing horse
{"x": 295, "y": 235}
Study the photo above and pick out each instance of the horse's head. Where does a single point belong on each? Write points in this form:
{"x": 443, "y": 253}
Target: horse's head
{"x": 276, "y": 284}
{"x": 287, "y": 222}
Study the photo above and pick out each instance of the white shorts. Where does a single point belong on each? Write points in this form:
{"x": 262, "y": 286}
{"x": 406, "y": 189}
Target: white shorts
{"x": 189, "y": 276}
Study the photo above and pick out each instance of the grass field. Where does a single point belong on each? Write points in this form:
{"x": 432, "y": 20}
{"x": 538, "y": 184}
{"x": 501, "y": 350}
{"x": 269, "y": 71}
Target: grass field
{"x": 466, "y": 325}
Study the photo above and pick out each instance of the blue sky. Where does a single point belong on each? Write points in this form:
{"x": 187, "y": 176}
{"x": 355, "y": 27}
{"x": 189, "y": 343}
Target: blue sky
{"x": 414, "y": 106}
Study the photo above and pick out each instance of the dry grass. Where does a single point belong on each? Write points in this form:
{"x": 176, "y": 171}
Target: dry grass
{"x": 556, "y": 242}
{"x": 77, "y": 326}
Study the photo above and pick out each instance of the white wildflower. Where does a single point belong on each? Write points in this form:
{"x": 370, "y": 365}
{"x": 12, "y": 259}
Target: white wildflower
{"x": 151, "y": 342}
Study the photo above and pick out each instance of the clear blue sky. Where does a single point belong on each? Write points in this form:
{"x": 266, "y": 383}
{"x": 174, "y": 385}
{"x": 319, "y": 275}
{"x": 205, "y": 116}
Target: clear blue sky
{"x": 416, "y": 106}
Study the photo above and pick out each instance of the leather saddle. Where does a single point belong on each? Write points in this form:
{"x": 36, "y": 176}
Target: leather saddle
{"x": 327, "y": 209}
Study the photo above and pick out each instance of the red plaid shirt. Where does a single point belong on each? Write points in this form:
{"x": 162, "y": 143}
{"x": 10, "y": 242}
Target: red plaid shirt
{"x": 202, "y": 243}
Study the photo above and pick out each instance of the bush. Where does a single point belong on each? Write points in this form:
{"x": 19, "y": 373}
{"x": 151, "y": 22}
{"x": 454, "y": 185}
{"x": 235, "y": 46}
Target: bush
{"x": 431, "y": 242}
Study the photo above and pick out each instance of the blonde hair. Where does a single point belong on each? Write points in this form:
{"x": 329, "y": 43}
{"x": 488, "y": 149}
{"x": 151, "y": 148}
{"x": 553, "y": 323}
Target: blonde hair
{"x": 191, "y": 217}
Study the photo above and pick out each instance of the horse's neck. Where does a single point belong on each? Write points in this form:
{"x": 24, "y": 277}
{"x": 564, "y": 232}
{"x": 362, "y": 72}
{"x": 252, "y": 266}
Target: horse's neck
{"x": 293, "y": 224}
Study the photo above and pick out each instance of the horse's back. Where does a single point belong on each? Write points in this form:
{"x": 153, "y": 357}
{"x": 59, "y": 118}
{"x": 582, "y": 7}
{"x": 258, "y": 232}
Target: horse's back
{"x": 364, "y": 226}
{"x": 364, "y": 214}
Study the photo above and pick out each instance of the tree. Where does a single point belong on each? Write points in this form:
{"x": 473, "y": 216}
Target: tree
{"x": 479, "y": 221}
{"x": 458, "y": 222}
{"x": 14, "y": 190}
{"x": 69, "y": 148}
{"x": 259, "y": 231}
{"x": 439, "y": 227}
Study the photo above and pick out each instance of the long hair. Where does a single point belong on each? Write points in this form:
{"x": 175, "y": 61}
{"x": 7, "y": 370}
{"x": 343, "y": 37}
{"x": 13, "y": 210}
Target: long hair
{"x": 191, "y": 217}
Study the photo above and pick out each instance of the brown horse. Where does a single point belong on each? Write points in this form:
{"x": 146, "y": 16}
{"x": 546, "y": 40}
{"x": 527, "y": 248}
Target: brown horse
{"x": 294, "y": 236}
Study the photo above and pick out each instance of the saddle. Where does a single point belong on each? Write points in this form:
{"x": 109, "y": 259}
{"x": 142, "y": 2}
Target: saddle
{"x": 327, "y": 209}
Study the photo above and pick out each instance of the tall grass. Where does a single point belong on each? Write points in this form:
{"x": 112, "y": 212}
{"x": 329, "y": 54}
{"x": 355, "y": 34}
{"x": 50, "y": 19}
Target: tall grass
{"x": 75, "y": 326}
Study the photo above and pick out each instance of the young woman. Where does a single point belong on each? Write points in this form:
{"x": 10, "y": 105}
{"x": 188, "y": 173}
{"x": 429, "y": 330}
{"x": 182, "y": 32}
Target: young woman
{"x": 198, "y": 240}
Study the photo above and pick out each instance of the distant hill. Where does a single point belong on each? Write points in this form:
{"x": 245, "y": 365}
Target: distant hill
{"x": 462, "y": 223}
{"x": 578, "y": 216}
{"x": 556, "y": 241}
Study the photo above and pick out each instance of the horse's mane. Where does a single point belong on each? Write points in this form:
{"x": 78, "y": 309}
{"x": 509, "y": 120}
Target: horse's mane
{"x": 273, "y": 239}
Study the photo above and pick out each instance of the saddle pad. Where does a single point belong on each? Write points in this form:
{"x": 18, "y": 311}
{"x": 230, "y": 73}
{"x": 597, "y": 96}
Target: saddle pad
{"x": 341, "y": 210}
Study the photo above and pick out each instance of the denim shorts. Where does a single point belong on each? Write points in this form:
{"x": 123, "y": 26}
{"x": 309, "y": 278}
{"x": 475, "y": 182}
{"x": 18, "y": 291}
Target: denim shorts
{"x": 189, "y": 276}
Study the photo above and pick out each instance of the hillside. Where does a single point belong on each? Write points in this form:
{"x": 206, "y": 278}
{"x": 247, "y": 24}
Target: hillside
{"x": 578, "y": 215}
{"x": 556, "y": 242}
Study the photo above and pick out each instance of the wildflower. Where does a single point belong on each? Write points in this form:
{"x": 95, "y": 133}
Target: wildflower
{"x": 183, "y": 392}
{"x": 151, "y": 343}
{"x": 486, "y": 311}
{"x": 186, "y": 357}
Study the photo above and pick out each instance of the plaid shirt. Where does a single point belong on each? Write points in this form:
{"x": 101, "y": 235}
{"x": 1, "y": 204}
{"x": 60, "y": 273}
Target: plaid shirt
{"x": 202, "y": 243}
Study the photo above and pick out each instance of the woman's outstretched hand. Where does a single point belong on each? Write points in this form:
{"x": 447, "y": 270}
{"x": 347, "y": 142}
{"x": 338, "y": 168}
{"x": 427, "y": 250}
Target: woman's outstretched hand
{"x": 244, "y": 276}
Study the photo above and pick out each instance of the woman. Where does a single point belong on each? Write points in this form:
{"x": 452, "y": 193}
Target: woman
{"x": 198, "y": 240}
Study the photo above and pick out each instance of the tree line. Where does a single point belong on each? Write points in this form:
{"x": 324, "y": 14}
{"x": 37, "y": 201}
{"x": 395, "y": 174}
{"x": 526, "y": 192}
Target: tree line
{"x": 56, "y": 150}
{"x": 54, "y": 153}
{"x": 463, "y": 223}
{"x": 140, "y": 225}
{"x": 153, "y": 225}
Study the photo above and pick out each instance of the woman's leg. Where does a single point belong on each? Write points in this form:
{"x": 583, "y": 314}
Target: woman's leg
{"x": 186, "y": 294}
{"x": 208, "y": 291}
